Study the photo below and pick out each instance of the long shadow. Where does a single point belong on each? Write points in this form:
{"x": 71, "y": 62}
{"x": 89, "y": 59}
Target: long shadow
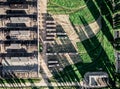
{"x": 44, "y": 76}
{"x": 2, "y": 84}
{"x": 68, "y": 73}
{"x": 13, "y": 80}
{"x": 107, "y": 22}
{"x": 103, "y": 60}
{"x": 32, "y": 83}
{"x": 62, "y": 77}
{"x": 105, "y": 7}
{"x": 104, "y": 10}
{"x": 109, "y": 3}
{"x": 95, "y": 12}
{"x": 46, "y": 79}
{"x": 106, "y": 31}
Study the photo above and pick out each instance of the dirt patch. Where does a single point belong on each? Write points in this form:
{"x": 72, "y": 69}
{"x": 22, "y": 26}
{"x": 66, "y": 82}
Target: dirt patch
{"x": 77, "y": 33}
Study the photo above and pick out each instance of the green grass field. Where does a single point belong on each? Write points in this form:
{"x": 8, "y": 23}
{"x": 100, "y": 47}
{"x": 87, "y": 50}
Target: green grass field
{"x": 91, "y": 46}
{"x": 97, "y": 53}
{"x": 75, "y": 9}
{"x": 101, "y": 60}
{"x": 69, "y": 3}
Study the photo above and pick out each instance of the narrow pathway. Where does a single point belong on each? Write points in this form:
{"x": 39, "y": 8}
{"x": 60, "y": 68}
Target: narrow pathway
{"x": 42, "y": 23}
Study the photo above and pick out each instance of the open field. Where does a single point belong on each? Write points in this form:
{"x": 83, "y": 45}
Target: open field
{"x": 76, "y": 38}
{"x": 75, "y": 9}
{"x": 97, "y": 52}
{"x": 93, "y": 48}
{"x": 102, "y": 62}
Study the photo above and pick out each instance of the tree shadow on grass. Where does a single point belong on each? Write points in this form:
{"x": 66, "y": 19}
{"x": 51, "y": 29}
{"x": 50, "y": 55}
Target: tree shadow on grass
{"x": 68, "y": 73}
{"x": 63, "y": 77}
{"x": 46, "y": 79}
{"x": 13, "y": 80}
{"x": 103, "y": 60}
{"x": 102, "y": 7}
{"x": 105, "y": 7}
{"x": 2, "y": 83}
{"x": 93, "y": 9}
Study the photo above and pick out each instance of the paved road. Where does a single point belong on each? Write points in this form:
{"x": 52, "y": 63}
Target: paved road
{"x": 43, "y": 57}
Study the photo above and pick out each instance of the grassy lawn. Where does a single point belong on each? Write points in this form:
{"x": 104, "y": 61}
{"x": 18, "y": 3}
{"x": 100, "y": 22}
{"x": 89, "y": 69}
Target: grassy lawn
{"x": 104, "y": 60}
{"x": 75, "y": 9}
{"x": 90, "y": 44}
{"x": 68, "y": 3}
{"x": 64, "y": 6}
{"x": 85, "y": 13}
{"x": 97, "y": 53}
{"x": 91, "y": 47}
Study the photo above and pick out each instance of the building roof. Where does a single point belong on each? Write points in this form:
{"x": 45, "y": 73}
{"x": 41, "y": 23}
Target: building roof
{"x": 14, "y": 46}
{"x": 17, "y": 32}
{"x": 96, "y": 79}
{"x": 22, "y": 68}
{"x": 19, "y": 6}
{"x": 19, "y": 19}
{"x": 19, "y": 42}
